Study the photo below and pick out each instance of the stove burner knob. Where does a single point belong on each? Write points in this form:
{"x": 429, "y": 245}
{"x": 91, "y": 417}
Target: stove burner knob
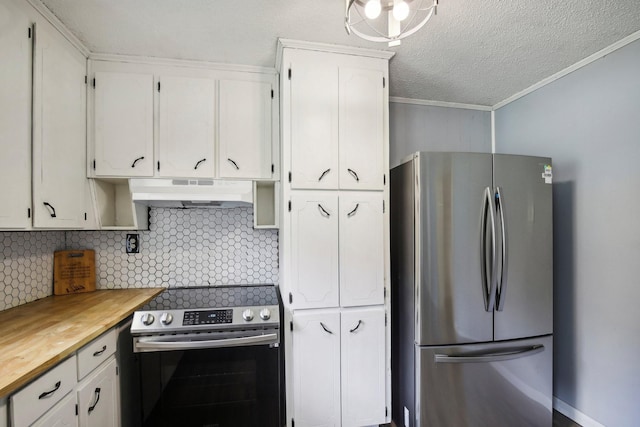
{"x": 247, "y": 315}
{"x": 147, "y": 319}
{"x": 166, "y": 318}
{"x": 265, "y": 314}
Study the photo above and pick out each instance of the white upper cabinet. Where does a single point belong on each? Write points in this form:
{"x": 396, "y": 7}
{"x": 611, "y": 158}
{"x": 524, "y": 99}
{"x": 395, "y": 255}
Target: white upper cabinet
{"x": 314, "y": 250}
{"x": 361, "y": 249}
{"x": 316, "y": 368}
{"x": 313, "y": 123}
{"x": 334, "y": 120}
{"x": 15, "y": 118}
{"x": 59, "y": 133}
{"x": 244, "y": 137}
{"x": 362, "y": 366}
{"x": 123, "y": 124}
{"x": 361, "y": 129}
{"x": 187, "y": 127}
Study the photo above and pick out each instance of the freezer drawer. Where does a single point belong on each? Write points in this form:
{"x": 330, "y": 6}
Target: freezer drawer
{"x": 501, "y": 384}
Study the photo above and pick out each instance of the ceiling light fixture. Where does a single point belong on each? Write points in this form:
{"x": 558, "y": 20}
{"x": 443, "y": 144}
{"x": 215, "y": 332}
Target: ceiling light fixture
{"x": 387, "y": 21}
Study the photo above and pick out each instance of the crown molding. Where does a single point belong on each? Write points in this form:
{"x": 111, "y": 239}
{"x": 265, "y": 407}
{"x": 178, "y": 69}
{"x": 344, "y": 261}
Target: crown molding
{"x": 400, "y": 100}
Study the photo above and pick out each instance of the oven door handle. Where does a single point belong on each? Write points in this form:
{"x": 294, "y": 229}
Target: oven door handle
{"x": 164, "y": 344}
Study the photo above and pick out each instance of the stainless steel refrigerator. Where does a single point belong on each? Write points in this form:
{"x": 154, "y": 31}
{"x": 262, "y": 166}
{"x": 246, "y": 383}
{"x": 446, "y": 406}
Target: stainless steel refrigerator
{"x": 472, "y": 290}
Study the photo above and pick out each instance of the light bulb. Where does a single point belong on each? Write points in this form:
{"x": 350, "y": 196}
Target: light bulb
{"x": 400, "y": 11}
{"x": 372, "y": 9}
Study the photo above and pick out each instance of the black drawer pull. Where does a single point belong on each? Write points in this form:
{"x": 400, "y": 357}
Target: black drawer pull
{"x": 133, "y": 165}
{"x": 327, "y": 330}
{"x": 323, "y": 174}
{"x": 198, "y": 164}
{"x": 99, "y": 352}
{"x": 48, "y": 393}
{"x": 53, "y": 210}
{"x": 357, "y": 326}
{"x": 234, "y": 164}
{"x": 353, "y": 212}
{"x": 323, "y": 211}
{"x": 97, "y": 392}
{"x": 354, "y": 174}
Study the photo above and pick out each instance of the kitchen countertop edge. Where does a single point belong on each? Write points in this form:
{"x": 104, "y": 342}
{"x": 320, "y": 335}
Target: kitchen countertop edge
{"x": 87, "y": 323}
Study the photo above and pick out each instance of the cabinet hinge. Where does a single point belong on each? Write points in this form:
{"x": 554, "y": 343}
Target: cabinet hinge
{"x": 28, "y": 212}
{"x": 273, "y": 168}
{"x": 290, "y": 298}
{"x": 85, "y": 216}
{"x": 117, "y": 370}
{"x": 271, "y": 93}
{"x": 383, "y": 207}
{"x": 29, "y": 32}
{"x": 289, "y": 73}
{"x": 158, "y": 86}
{"x": 385, "y": 319}
{"x": 384, "y": 292}
{"x": 293, "y": 422}
{"x": 289, "y": 211}
{"x": 158, "y": 165}
{"x": 289, "y": 176}
{"x": 383, "y": 83}
{"x": 94, "y": 164}
{"x": 291, "y": 325}
{"x": 86, "y": 79}
{"x": 94, "y": 82}
{"x": 76, "y": 409}
{"x": 386, "y": 411}
{"x": 384, "y": 179}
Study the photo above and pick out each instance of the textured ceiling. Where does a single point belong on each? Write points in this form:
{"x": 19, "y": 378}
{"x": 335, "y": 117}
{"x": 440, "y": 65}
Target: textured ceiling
{"x": 473, "y": 52}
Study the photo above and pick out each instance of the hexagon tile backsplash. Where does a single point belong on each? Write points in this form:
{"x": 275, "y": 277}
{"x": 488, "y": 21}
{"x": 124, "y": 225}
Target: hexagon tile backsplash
{"x": 183, "y": 247}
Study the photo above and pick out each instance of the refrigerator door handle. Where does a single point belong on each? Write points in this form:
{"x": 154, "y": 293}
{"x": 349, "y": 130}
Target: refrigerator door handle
{"x": 489, "y": 278}
{"x": 507, "y": 354}
{"x": 502, "y": 282}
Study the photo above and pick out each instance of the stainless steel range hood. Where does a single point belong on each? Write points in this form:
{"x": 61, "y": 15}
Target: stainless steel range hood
{"x": 191, "y": 193}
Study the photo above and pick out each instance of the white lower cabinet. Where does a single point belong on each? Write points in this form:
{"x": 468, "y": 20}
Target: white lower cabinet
{"x": 81, "y": 391}
{"x": 339, "y": 367}
{"x": 61, "y": 415}
{"x": 98, "y": 397}
{"x": 3, "y": 413}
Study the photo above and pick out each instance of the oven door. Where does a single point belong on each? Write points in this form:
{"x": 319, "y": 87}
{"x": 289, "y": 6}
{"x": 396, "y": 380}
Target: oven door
{"x": 212, "y": 380}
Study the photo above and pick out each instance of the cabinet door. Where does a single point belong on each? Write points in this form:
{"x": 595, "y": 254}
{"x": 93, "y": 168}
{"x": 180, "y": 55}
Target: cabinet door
{"x": 361, "y": 129}
{"x": 123, "y": 124}
{"x": 314, "y": 250}
{"x": 59, "y": 133}
{"x": 314, "y": 120}
{"x": 61, "y": 415}
{"x": 187, "y": 117}
{"x": 361, "y": 249}
{"x": 363, "y": 366}
{"x": 4, "y": 420}
{"x": 316, "y": 368}
{"x": 15, "y": 118}
{"x": 245, "y": 129}
{"x": 98, "y": 397}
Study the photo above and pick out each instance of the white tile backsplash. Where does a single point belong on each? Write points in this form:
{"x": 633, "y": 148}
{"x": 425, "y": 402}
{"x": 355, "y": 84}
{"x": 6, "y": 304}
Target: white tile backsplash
{"x": 183, "y": 247}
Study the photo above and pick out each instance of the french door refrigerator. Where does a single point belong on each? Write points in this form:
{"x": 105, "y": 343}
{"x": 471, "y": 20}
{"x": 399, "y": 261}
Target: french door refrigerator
{"x": 472, "y": 286}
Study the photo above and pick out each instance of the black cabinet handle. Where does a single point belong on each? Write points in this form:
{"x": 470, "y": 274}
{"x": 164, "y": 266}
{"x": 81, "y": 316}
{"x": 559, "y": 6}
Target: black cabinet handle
{"x": 53, "y": 210}
{"x": 133, "y": 165}
{"x": 199, "y": 162}
{"x": 353, "y": 212}
{"x": 325, "y": 328}
{"x": 357, "y": 326}
{"x": 47, "y": 393}
{"x": 99, "y": 352}
{"x": 97, "y": 393}
{"x": 324, "y": 212}
{"x": 354, "y": 174}
{"x": 323, "y": 174}
{"x": 234, "y": 164}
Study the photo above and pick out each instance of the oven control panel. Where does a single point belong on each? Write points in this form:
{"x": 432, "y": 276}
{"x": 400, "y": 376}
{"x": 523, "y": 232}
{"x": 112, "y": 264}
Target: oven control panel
{"x": 207, "y": 317}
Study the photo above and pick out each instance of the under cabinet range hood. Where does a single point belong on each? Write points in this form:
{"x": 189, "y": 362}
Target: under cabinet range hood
{"x": 191, "y": 193}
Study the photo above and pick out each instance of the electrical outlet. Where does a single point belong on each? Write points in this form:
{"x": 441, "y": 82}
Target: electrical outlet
{"x": 133, "y": 243}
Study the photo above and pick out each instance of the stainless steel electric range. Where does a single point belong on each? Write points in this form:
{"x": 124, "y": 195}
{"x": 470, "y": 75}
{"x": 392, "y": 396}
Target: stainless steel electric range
{"x": 211, "y": 357}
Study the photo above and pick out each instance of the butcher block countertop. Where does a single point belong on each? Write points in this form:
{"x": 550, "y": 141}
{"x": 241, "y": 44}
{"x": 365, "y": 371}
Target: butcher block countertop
{"x": 36, "y": 336}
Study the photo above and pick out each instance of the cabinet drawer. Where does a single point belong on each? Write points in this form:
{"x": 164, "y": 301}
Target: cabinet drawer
{"x": 96, "y": 352}
{"x": 35, "y": 399}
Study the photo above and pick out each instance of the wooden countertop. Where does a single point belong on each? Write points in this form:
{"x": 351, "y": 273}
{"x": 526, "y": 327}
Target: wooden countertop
{"x": 36, "y": 336}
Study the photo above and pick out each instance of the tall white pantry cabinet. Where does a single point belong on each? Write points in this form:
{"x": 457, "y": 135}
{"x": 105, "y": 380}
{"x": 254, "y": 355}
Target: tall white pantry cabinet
{"x": 334, "y": 234}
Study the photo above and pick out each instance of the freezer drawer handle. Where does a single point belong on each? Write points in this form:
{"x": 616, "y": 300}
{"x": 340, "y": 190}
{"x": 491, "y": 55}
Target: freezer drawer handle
{"x": 491, "y": 357}
{"x": 325, "y": 328}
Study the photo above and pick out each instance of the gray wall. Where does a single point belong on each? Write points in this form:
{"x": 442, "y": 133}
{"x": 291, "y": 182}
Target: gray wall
{"x": 589, "y": 122}
{"x": 425, "y": 128}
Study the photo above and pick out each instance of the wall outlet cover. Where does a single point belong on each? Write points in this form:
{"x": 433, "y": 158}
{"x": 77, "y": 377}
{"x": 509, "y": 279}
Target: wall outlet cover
{"x": 133, "y": 243}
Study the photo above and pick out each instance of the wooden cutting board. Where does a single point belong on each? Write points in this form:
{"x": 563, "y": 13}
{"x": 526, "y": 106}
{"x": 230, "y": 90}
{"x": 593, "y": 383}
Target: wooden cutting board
{"x": 74, "y": 272}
